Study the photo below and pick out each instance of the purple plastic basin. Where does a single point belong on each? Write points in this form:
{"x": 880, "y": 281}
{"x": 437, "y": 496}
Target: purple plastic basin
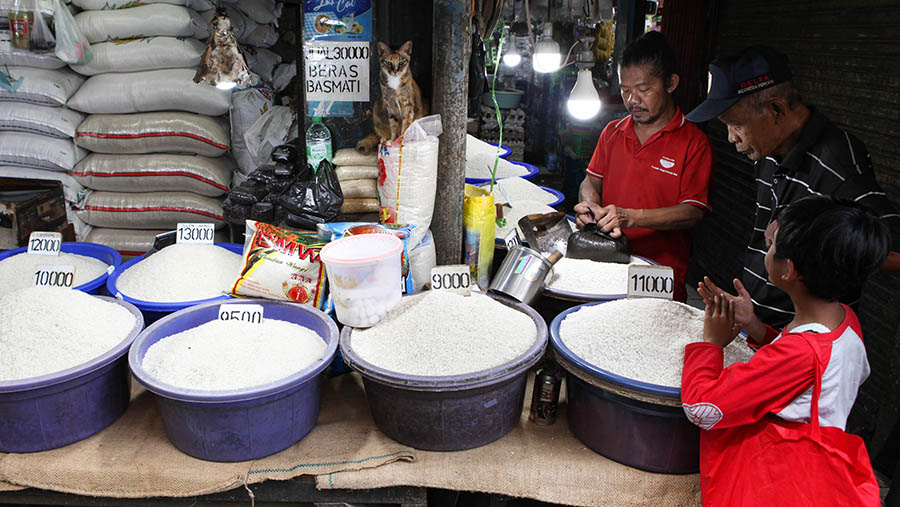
{"x": 102, "y": 253}
{"x": 154, "y": 310}
{"x": 449, "y": 413}
{"x": 240, "y": 424}
{"x": 50, "y": 411}
{"x": 638, "y": 424}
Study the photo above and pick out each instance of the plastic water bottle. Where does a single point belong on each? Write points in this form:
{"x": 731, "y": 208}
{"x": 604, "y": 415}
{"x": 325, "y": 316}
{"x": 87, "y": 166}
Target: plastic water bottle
{"x": 318, "y": 143}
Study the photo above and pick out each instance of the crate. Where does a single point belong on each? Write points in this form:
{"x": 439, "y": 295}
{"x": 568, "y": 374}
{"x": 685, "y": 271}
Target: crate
{"x": 28, "y": 205}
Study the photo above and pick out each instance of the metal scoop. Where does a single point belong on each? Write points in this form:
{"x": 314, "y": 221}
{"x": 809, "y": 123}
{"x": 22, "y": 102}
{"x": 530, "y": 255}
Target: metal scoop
{"x": 546, "y": 232}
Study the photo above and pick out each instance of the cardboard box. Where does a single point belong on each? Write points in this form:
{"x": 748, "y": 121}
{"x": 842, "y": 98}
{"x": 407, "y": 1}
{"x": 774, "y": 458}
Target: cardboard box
{"x": 28, "y": 205}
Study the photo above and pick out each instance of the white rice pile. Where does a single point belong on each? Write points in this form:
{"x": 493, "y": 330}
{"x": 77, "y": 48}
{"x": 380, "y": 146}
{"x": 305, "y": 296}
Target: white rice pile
{"x": 440, "y": 333}
{"x": 224, "y": 355}
{"x": 476, "y": 147}
{"x": 519, "y": 209}
{"x": 519, "y": 189}
{"x": 181, "y": 272}
{"x": 17, "y": 272}
{"x": 45, "y": 330}
{"x": 481, "y": 165}
{"x": 584, "y": 276}
{"x": 640, "y": 339}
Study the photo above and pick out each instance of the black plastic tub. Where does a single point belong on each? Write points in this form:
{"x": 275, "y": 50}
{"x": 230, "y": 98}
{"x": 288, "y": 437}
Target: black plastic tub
{"x": 449, "y": 413}
{"x": 634, "y": 423}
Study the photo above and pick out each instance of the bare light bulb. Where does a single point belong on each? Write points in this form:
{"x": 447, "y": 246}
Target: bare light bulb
{"x": 584, "y": 101}
{"x": 226, "y": 85}
{"x": 546, "y": 52}
{"x": 512, "y": 57}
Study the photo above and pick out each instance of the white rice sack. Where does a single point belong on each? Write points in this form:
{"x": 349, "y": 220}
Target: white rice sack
{"x": 44, "y": 87}
{"x": 149, "y": 210}
{"x": 44, "y": 120}
{"x": 260, "y": 11}
{"x": 45, "y": 330}
{"x": 133, "y": 242}
{"x": 357, "y": 172}
{"x": 72, "y": 189}
{"x": 96, "y": 5}
{"x": 151, "y": 20}
{"x": 247, "y": 106}
{"x": 351, "y": 156}
{"x": 148, "y": 53}
{"x": 151, "y": 90}
{"x": 261, "y": 61}
{"x": 422, "y": 258}
{"x": 241, "y": 25}
{"x": 260, "y": 36}
{"x": 170, "y": 132}
{"x": 15, "y": 56}
{"x": 158, "y": 172}
{"x": 359, "y": 188}
{"x": 407, "y": 191}
{"x": 519, "y": 189}
{"x": 38, "y": 152}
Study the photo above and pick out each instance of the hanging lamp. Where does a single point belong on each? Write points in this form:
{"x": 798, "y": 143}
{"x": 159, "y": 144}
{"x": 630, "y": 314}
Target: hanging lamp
{"x": 546, "y": 52}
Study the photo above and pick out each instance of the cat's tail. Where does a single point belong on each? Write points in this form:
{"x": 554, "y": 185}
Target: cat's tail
{"x": 367, "y": 144}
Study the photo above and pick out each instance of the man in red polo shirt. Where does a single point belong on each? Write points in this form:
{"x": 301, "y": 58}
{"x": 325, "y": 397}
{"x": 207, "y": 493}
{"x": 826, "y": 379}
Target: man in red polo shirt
{"x": 649, "y": 176}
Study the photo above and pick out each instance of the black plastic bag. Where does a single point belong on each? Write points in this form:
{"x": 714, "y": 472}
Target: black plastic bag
{"x": 596, "y": 245}
{"x": 314, "y": 200}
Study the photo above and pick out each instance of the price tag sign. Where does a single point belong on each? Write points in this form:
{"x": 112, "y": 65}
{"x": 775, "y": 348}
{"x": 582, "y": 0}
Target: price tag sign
{"x": 650, "y": 282}
{"x": 243, "y": 313}
{"x": 195, "y": 233}
{"x": 44, "y": 243}
{"x": 54, "y": 275}
{"x": 454, "y": 278}
{"x": 512, "y": 239}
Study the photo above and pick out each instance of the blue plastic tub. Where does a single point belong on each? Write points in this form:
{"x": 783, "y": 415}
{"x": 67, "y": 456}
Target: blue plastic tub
{"x": 449, "y": 413}
{"x": 152, "y": 310}
{"x": 102, "y": 253}
{"x": 638, "y": 424}
{"x": 50, "y": 411}
{"x": 556, "y": 193}
{"x": 532, "y": 172}
{"x": 507, "y": 151}
{"x": 241, "y": 424}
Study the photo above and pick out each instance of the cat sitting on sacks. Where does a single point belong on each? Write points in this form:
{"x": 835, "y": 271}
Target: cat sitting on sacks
{"x": 401, "y": 101}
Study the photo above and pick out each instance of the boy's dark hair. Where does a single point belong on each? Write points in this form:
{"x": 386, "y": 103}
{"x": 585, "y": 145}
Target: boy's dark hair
{"x": 652, "y": 49}
{"x": 835, "y": 245}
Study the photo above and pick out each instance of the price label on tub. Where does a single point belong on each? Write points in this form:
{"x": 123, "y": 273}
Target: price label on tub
{"x": 54, "y": 275}
{"x": 512, "y": 239}
{"x": 243, "y": 313}
{"x": 44, "y": 243}
{"x": 650, "y": 282}
{"x": 195, "y": 233}
{"x": 453, "y": 278}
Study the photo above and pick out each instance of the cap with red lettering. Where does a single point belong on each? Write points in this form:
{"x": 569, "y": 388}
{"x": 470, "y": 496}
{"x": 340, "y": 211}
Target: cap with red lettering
{"x": 753, "y": 69}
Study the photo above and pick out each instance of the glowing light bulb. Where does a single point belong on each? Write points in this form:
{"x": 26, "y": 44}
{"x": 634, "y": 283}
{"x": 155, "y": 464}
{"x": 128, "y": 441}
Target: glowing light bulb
{"x": 512, "y": 57}
{"x": 546, "y": 56}
{"x": 226, "y": 85}
{"x": 584, "y": 101}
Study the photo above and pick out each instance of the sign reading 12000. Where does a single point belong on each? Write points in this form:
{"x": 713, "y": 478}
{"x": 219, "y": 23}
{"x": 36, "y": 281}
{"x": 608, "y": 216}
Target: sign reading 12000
{"x": 337, "y": 71}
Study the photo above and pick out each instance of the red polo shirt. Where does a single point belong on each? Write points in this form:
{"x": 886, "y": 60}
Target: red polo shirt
{"x": 673, "y": 166}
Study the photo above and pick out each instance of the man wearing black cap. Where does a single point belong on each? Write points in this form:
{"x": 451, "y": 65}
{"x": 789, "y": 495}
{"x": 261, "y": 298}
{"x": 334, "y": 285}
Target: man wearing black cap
{"x": 798, "y": 152}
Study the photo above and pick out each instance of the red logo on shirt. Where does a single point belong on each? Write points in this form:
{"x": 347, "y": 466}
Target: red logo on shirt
{"x": 705, "y": 415}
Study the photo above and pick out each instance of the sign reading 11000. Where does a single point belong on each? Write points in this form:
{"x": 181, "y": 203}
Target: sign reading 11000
{"x": 650, "y": 281}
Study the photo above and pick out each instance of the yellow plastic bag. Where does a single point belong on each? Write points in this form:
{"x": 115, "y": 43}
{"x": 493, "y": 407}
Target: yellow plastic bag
{"x": 479, "y": 221}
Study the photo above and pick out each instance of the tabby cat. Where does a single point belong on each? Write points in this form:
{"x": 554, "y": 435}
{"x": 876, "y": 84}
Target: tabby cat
{"x": 401, "y": 100}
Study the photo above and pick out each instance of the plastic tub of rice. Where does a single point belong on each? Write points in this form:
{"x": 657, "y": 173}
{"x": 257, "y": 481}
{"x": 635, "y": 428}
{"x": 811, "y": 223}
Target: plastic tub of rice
{"x": 93, "y": 264}
{"x": 446, "y": 372}
{"x": 177, "y": 277}
{"x": 230, "y": 390}
{"x": 623, "y": 363}
{"x": 63, "y": 368}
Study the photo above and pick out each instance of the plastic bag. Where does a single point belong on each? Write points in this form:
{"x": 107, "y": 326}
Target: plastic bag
{"x": 479, "y": 221}
{"x": 42, "y": 38}
{"x": 71, "y": 45}
{"x": 275, "y": 127}
{"x": 316, "y": 199}
{"x": 594, "y": 244}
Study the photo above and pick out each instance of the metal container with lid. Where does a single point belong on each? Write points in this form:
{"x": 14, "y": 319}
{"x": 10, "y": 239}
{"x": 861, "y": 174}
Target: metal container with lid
{"x": 522, "y": 273}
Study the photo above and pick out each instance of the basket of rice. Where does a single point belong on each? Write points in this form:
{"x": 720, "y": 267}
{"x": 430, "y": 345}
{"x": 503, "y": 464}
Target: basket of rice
{"x": 63, "y": 368}
{"x": 623, "y": 361}
{"x": 93, "y": 263}
{"x": 446, "y": 372}
{"x": 235, "y": 390}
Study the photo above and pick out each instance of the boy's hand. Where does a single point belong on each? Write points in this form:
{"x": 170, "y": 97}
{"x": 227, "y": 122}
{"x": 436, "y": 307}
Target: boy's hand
{"x": 718, "y": 325}
{"x": 743, "y": 306}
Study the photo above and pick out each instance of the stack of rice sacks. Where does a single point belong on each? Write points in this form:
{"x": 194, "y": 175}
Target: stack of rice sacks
{"x": 36, "y": 126}
{"x": 358, "y": 176}
{"x": 159, "y": 142}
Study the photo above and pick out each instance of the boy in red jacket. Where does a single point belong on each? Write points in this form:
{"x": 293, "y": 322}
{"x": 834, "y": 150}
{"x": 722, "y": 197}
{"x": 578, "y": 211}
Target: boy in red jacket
{"x": 774, "y": 426}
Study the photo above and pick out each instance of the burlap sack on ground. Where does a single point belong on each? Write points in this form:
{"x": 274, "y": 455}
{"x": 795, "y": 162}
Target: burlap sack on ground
{"x": 5, "y": 486}
{"x": 541, "y": 462}
{"x": 133, "y": 458}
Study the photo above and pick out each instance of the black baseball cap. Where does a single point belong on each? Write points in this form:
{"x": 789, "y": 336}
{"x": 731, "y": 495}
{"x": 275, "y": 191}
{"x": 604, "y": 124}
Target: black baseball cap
{"x": 753, "y": 69}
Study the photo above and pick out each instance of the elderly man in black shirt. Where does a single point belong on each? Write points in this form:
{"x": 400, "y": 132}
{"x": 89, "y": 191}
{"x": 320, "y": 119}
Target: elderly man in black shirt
{"x": 798, "y": 152}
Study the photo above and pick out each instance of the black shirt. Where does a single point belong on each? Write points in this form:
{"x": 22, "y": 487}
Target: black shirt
{"x": 825, "y": 160}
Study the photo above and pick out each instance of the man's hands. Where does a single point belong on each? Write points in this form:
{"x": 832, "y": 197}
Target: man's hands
{"x": 611, "y": 218}
{"x": 719, "y": 327}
